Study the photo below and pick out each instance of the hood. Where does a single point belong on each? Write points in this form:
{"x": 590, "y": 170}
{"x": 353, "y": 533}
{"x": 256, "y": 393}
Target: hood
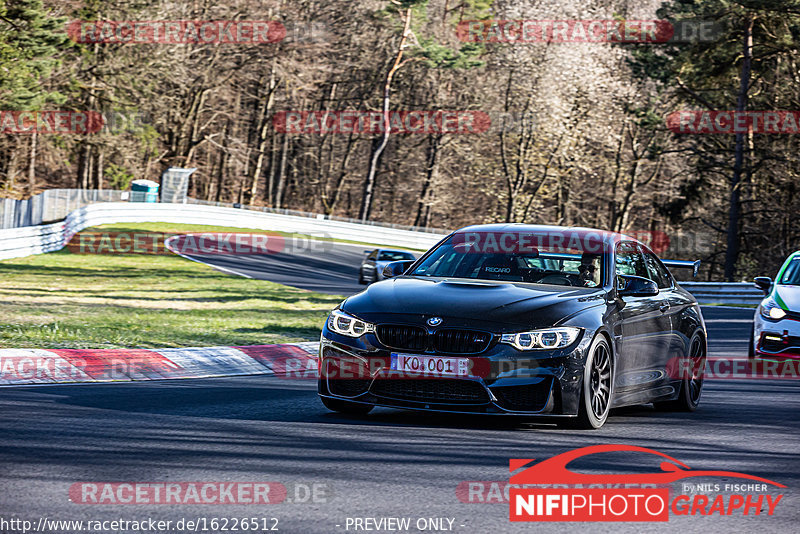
{"x": 788, "y": 297}
{"x": 471, "y": 302}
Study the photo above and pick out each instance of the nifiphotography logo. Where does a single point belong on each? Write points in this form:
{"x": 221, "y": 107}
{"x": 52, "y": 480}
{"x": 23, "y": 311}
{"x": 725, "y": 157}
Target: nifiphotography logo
{"x": 560, "y": 494}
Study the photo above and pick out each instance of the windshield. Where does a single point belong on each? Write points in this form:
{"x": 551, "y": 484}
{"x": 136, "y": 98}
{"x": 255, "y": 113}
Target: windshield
{"x": 394, "y": 255}
{"x": 517, "y": 257}
{"x": 791, "y": 276}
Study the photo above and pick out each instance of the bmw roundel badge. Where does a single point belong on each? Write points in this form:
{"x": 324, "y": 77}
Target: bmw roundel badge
{"x": 434, "y": 321}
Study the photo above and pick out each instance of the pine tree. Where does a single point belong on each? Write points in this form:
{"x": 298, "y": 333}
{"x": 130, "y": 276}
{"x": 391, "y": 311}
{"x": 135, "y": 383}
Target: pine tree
{"x": 31, "y": 42}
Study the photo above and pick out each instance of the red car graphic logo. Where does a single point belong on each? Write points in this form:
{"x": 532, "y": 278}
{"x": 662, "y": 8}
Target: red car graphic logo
{"x": 554, "y": 470}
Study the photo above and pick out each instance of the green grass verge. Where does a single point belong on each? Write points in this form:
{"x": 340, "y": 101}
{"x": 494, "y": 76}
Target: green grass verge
{"x": 65, "y": 300}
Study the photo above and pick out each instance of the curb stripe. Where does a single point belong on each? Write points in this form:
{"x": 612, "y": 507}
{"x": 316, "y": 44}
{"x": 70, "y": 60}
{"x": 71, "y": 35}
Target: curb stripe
{"x": 38, "y": 366}
{"x": 283, "y": 360}
{"x": 106, "y": 365}
{"x": 214, "y": 361}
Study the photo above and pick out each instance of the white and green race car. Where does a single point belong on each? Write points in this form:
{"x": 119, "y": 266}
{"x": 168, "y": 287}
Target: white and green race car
{"x": 776, "y": 328}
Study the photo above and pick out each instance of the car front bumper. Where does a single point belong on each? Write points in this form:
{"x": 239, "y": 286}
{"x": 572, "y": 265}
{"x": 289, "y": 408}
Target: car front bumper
{"x": 502, "y": 379}
{"x": 776, "y": 339}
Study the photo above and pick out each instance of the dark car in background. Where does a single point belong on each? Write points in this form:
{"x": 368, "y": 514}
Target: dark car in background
{"x": 371, "y": 269}
{"x": 517, "y": 319}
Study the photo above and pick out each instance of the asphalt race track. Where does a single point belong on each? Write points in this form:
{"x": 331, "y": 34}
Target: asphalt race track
{"x": 387, "y": 464}
{"x": 323, "y": 266}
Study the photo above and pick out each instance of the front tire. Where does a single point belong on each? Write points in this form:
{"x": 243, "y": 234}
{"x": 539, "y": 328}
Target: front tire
{"x": 751, "y": 351}
{"x": 598, "y": 386}
{"x": 692, "y": 384}
{"x": 343, "y": 406}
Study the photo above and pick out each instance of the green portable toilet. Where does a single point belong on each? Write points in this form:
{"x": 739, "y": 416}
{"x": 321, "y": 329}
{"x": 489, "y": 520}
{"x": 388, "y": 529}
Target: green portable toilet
{"x": 144, "y": 191}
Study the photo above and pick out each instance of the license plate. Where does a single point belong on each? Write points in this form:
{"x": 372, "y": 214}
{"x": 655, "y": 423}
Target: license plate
{"x": 430, "y": 365}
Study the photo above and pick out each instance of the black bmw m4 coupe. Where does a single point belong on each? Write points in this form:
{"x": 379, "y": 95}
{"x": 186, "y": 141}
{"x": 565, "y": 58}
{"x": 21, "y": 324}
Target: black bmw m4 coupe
{"x": 512, "y": 319}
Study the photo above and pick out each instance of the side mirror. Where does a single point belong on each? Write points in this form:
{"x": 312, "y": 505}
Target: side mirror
{"x": 636, "y": 286}
{"x": 764, "y": 283}
{"x": 396, "y": 268}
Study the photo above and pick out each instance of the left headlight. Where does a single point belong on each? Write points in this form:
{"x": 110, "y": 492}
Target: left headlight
{"x": 347, "y": 325}
{"x": 770, "y": 310}
{"x": 549, "y": 338}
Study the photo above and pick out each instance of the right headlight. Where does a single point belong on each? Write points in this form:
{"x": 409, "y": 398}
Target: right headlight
{"x": 547, "y": 338}
{"x": 347, "y": 325}
{"x": 769, "y": 309}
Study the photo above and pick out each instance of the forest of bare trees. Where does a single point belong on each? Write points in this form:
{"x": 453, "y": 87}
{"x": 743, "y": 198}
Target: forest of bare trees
{"x": 577, "y": 134}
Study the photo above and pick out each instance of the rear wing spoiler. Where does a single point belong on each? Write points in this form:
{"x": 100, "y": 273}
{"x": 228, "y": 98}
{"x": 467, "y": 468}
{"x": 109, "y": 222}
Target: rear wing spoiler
{"x": 683, "y": 264}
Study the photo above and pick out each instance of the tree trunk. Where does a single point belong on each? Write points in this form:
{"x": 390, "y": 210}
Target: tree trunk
{"x": 281, "y": 185}
{"x": 192, "y": 141}
{"x": 329, "y": 202}
{"x": 263, "y": 136}
{"x": 220, "y": 183}
{"x": 517, "y": 178}
{"x": 98, "y": 171}
{"x": 272, "y": 172}
{"x": 32, "y": 164}
{"x": 369, "y": 182}
{"x": 84, "y": 165}
{"x": 735, "y": 206}
{"x": 434, "y": 144}
{"x": 13, "y": 164}
{"x": 84, "y": 178}
{"x": 613, "y": 205}
{"x": 426, "y": 218}
{"x": 564, "y": 188}
{"x": 89, "y": 167}
{"x": 223, "y": 162}
{"x": 510, "y": 206}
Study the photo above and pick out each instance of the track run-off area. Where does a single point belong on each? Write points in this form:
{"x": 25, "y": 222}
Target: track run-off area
{"x": 389, "y": 464}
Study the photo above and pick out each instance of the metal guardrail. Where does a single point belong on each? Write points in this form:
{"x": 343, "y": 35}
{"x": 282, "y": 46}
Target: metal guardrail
{"x": 319, "y": 216}
{"x": 724, "y": 292}
{"x": 19, "y": 242}
{"x": 54, "y": 205}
